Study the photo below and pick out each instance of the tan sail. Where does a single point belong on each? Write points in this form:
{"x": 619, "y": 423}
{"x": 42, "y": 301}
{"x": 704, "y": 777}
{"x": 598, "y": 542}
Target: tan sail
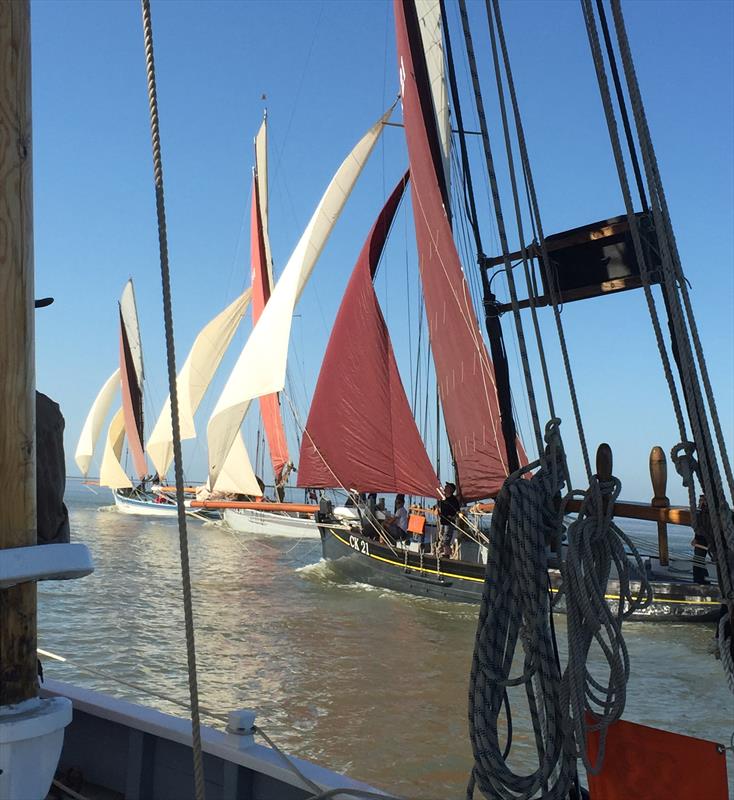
{"x": 193, "y": 380}
{"x": 93, "y": 424}
{"x": 111, "y": 472}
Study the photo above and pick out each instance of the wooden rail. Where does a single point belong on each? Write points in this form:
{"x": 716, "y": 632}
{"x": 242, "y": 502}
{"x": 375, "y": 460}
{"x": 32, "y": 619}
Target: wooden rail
{"x": 293, "y": 508}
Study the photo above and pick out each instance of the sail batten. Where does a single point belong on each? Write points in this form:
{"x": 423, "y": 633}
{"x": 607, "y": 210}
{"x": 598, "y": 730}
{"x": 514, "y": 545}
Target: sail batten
{"x": 360, "y": 433}
{"x": 262, "y": 286}
{"x": 465, "y": 375}
{"x": 261, "y": 367}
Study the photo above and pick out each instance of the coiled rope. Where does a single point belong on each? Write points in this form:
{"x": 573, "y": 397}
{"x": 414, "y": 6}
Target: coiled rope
{"x": 595, "y": 546}
{"x": 172, "y": 388}
{"x": 515, "y": 609}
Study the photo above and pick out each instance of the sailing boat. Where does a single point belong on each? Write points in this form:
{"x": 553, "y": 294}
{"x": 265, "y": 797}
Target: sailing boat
{"x": 261, "y": 368}
{"x": 345, "y": 443}
{"x": 60, "y": 732}
{"x": 254, "y": 519}
{"x": 193, "y": 380}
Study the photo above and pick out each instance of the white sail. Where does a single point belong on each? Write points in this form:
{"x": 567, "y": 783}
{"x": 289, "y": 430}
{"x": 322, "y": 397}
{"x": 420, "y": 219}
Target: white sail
{"x": 429, "y": 20}
{"x": 261, "y": 174}
{"x": 261, "y": 367}
{"x": 193, "y": 380}
{"x": 129, "y": 314}
{"x": 111, "y": 472}
{"x": 237, "y": 476}
{"x": 93, "y": 423}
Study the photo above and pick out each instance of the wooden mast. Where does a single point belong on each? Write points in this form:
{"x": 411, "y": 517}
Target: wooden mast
{"x": 18, "y": 678}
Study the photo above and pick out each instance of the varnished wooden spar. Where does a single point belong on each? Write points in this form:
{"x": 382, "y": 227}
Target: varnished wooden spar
{"x": 659, "y": 477}
{"x": 18, "y": 679}
{"x": 293, "y": 508}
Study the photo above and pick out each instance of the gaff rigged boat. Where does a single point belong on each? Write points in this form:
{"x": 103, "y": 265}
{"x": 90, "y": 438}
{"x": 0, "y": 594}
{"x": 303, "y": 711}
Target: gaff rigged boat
{"x": 360, "y": 434}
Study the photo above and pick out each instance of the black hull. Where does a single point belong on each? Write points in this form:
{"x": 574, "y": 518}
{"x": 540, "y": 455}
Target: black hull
{"x": 366, "y": 561}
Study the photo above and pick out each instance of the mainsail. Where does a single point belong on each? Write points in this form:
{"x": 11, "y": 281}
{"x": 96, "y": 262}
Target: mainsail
{"x": 94, "y": 421}
{"x": 261, "y": 366}
{"x": 360, "y": 432}
{"x": 464, "y": 371}
{"x": 131, "y": 374}
{"x": 193, "y": 380}
{"x": 262, "y": 286}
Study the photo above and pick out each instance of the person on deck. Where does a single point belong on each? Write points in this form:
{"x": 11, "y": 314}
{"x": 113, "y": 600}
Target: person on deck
{"x": 448, "y": 510}
{"x": 397, "y": 524}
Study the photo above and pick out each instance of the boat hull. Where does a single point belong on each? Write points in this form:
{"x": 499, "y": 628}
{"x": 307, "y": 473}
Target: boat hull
{"x": 366, "y": 561}
{"x": 270, "y": 523}
{"x": 148, "y": 508}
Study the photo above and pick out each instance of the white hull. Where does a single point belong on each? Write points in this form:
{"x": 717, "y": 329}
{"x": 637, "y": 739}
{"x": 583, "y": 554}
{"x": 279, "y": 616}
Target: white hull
{"x": 270, "y": 523}
{"x": 131, "y": 505}
{"x": 147, "y": 508}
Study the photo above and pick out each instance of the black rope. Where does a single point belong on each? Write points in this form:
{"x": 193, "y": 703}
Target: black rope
{"x": 622, "y": 105}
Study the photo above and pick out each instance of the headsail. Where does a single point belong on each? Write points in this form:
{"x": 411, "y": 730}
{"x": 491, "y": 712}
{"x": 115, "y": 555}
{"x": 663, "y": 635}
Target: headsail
{"x": 132, "y": 376}
{"x": 262, "y": 286}
{"x": 94, "y": 421}
{"x": 193, "y": 380}
{"x": 261, "y": 366}
{"x": 111, "y": 472}
{"x": 464, "y": 371}
{"x": 360, "y": 432}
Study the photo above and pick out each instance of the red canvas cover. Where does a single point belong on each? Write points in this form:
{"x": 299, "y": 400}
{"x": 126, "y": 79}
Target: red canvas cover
{"x": 465, "y": 373}
{"x": 269, "y": 403}
{"x": 132, "y": 404}
{"x": 640, "y": 761}
{"x": 360, "y": 432}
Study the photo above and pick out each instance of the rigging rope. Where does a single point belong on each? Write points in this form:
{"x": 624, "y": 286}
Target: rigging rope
{"x": 705, "y": 466}
{"x": 545, "y": 260}
{"x": 501, "y": 225}
{"x": 172, "y": 387}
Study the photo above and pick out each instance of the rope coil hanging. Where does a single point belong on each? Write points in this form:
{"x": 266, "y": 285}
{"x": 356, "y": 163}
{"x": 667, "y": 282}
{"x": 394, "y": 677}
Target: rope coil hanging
{"x": 515, "y": 608}
{"x": 595, "y": 546}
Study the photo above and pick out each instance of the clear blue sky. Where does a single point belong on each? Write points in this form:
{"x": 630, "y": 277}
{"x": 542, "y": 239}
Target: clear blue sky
{"x": 328, "y": 70}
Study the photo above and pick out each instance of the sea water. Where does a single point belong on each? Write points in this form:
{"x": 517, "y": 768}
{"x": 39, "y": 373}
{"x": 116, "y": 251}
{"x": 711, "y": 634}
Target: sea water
{"x": 365, "y": 681}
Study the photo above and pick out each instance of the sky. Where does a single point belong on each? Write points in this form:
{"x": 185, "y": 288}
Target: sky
{"x": 326, "y": 70}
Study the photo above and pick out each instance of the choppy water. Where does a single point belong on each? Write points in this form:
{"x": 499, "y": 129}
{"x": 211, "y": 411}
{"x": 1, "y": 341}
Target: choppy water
{"x": 365, "y": 681}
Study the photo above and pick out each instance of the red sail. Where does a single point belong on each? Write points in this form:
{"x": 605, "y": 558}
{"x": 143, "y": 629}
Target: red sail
{"x": 463, "y": 367}
{"x": 132, "y": 404}
{"x": 360, "y": 432}
{"x": 269, "y": 404}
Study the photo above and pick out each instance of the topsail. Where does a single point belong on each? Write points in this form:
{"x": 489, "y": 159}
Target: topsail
{"x": 262, "y": 287}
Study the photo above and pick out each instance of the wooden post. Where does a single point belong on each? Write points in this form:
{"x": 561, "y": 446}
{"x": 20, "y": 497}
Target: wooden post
{"x": 659, "y": 477}
{"x": 604, "y": 463}
{"x": 18, "y": 679}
